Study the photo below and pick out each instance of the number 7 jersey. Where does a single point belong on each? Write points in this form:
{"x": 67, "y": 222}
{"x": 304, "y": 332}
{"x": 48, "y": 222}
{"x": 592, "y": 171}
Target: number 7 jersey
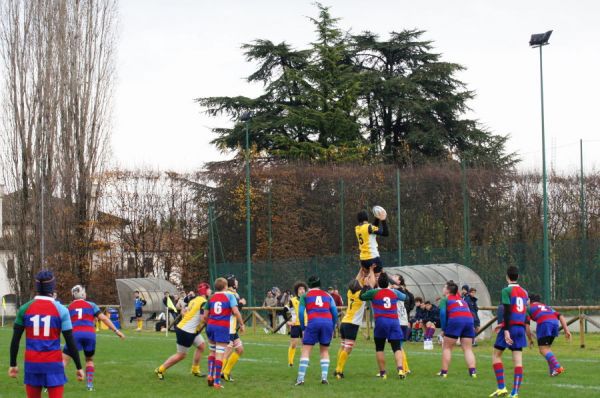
{"x": 517, "y": 297}
{"x": 43, "y": 319}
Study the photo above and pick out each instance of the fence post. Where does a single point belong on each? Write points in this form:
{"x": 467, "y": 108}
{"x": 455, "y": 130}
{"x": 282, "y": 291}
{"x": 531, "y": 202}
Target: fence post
{"x": 465, "y": 194}
{"x": 342, "y": 226}
{"x": 399, "y": 217}
{"x": 581, "y": 329}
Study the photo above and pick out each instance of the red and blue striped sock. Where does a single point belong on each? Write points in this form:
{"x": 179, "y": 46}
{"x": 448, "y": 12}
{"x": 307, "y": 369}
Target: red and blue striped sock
{"x": 89, "y": 371}
{"x": 518, "y": 380}
{"x": 218, "y": 366}
{"x": 211, "y": 365}
{"x": 552, "y": 361}
{"x": 499, "y": 371}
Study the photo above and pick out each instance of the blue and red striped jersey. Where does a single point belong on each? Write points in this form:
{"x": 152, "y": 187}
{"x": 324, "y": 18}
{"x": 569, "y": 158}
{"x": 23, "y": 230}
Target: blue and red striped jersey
{"x": 220, "y": 307}
{"x": 318, "y": 305}
{"x": 43, "y": 319}
{"x": 385, "y": 304}
{"x": 515, "y": 296}
{"x": 457, "y": 308}
{"x": 541, "y": 313}
{"x": 83, "y": 314}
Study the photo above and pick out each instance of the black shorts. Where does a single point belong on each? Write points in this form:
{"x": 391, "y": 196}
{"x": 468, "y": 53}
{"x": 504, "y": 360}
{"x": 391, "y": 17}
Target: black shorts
{"x": 296, "y": 332}
{"x": 349, "y": 331}
{"x": 139, "y": 313}
{"x": 510, "y": 348}
{"x": 546, "y": 341}
{"x": 366, "y": 264}
{"x": 380, "y": 344}
{"x": 233, "y": 336}
{"x": 184, "y": 338}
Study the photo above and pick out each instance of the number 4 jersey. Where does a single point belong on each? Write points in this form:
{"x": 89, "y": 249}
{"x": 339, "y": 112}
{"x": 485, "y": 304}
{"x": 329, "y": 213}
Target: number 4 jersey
{"x": 515, "y": 296}
{"x": 44, "y": 319}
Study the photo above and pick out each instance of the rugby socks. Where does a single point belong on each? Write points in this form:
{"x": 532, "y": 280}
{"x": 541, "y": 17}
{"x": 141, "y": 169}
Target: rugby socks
{"x": 324, "y": 368}
{"x": 195, "y": 369}
{"x": 443, "y": 372}
{"x": 405, "y": 361}
{"x": 429, "y": 333}
{"x": 552, "y": 361}
{"x": 291, "y": 355}
{"x": 499, "y": 371}
{"x": 518, "y": 380}
{"x": 162, "y": 369}
{"x": 89, "y": 372}
{"x": 472, "y": 371}
{"x": 341, "y": 361}
{"x": 211, "y": 365}
{"x": 140, "y": 324}
{"x": 218, "y": 368}
{"x": 233, "y": 358}
{"x": 302, "y": 369}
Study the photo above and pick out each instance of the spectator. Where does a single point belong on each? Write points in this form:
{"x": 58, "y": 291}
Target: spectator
{"x": 336, "y": 296}
{"x": 168, "y": 301}
{"x": 471, "y": 301}
{"x": 181, "y": 304}
{"x": 270, "y": 301}
{"x": 417, "y": 320}
{"x": 190, "y": 296}
{"x": 464, "y": 291}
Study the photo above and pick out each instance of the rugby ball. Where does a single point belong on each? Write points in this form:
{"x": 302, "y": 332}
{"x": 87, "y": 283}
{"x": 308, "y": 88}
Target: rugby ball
{"x": 379, "y": 212}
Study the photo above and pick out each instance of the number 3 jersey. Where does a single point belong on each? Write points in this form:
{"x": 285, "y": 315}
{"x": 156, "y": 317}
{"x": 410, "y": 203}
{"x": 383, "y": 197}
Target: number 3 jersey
{"x": 515, "y": 296}
{"x": 83, "y": 314}
{"x": 43, "y": 319}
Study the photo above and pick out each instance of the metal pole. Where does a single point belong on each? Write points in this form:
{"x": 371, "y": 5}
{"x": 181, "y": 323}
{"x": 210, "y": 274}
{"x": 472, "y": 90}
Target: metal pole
{"x": 342, "y": 226}
{"x": 399, "y": 217}
{"x": 42, "y": 238}
{"x": 582, "y": 192}
{"x": 248, "y": 249}
{"x": 466, "y": 231}
{"x": 269, "y": 225}
{"x": 545, "y": 192}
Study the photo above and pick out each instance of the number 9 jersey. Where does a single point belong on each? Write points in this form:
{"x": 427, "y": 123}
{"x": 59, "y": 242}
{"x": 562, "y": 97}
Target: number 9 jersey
{"x": 517, "y": 297}
{"x": 43, "y": 319}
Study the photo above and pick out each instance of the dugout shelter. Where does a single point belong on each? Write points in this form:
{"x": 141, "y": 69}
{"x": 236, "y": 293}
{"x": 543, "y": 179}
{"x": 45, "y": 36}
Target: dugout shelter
{"x": 427, "y": 281}
{"x": 151, "y": 289}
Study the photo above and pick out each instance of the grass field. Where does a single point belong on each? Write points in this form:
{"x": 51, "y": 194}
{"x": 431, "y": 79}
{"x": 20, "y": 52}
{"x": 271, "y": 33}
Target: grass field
{"x": 125, "y": 369}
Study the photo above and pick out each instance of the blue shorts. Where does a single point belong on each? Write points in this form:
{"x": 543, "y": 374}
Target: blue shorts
{"x": 517, "y": 334}
{"x": 45, "y": 379}
{"x": 85, "y": 342}
{"x": 405, "y": 332}
{"x": 458, "y": 329}
{"x": 139, "y": 313}
{"x": 546, "y": 329}
{"x": 321, "y": 333}
{"x": 217, "y": 334}
{"x": 389, "y": 330}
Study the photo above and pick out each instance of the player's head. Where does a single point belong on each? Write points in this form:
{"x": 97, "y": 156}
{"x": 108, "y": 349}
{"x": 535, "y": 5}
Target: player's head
{"x": 451, "y": 288}
{"x": 78, "y": 292}
{"x": 362, "y": 216}
{"x": 232, "y": 281}
{"x": 512, "y": 273}
{"x": 383, "y": 280}
{"x": 314, "y": 281}
{"x": 354, "y": 286}
{"x": 45, "y": 283}
{"x": 220, "y": 284}
{"x": 204, "y": 289}
{"x": 300, "y": 288}
{"x": 535, "y": 298}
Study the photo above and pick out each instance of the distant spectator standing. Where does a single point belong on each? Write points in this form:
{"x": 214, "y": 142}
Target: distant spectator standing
{"x": 464, "y": 291}
{"x": 168, "y": 301}
{"x": 270, "y": 301}
{"x": 337, "y": 299}
{"x": 181, "y": 303}
{"x": 471, "y": 301}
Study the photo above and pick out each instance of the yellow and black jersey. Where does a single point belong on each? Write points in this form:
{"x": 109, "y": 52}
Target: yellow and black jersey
{"x": 356, "y": 309}
{"x": 295, "y": 301}
{"x": 367, "y": 240}
{"x": 192, "y": 318}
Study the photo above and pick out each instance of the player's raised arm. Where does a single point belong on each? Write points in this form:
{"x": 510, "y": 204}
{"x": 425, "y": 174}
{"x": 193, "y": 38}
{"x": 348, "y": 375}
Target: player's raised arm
{"x": 368, "y": 295}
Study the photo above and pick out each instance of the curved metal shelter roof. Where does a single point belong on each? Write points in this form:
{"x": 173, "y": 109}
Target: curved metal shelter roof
{"x": 427, "y": 281}
{"x": 151, "y": 289}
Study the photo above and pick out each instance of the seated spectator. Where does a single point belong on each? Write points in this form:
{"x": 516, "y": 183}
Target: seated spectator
{"x": 417, "y": 320}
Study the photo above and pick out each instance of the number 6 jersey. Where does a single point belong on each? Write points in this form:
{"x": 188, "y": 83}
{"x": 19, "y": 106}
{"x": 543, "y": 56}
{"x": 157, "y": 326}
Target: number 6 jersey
{"x": 43, "y": 319}
{"x": 515, "y": 296}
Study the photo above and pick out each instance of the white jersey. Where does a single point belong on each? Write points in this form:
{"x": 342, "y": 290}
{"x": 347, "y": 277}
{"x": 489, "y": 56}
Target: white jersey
{"x": 402, "y": 314}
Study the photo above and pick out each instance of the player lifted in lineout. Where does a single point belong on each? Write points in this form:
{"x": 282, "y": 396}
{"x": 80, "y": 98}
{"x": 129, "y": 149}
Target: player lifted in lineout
{"x": 366, "y": 234}
{"x": 351, "y": 322}
{"x": 187, "y": 333}
{"x": 221, "y": 306}
{"x": 83, "y": 314}
{"x": 300, "y": 289}
{"x": 387, "y": 325}
{"x": 514, "y": 303}
{"x": 235, "y": 348}
{"x": 322, "y": 317}
{"x": 43, "y": 319}
{"x": 547, "y": 320}
{"x": 457, "y": 323}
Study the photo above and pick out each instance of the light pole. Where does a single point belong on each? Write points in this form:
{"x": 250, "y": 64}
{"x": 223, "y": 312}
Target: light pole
{"x": 246, "y": 119}
{"x": 539, "y": 40}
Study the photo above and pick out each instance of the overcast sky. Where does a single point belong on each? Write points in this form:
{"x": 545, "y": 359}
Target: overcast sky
{"x": 172, "y": 51}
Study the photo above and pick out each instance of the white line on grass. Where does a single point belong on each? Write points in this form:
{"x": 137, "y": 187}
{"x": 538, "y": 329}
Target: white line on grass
{"x": 577, "y": 387}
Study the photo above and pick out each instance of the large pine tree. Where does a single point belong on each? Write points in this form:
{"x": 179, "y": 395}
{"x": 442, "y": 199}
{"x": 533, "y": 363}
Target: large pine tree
{"x": 357, "y": 97}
